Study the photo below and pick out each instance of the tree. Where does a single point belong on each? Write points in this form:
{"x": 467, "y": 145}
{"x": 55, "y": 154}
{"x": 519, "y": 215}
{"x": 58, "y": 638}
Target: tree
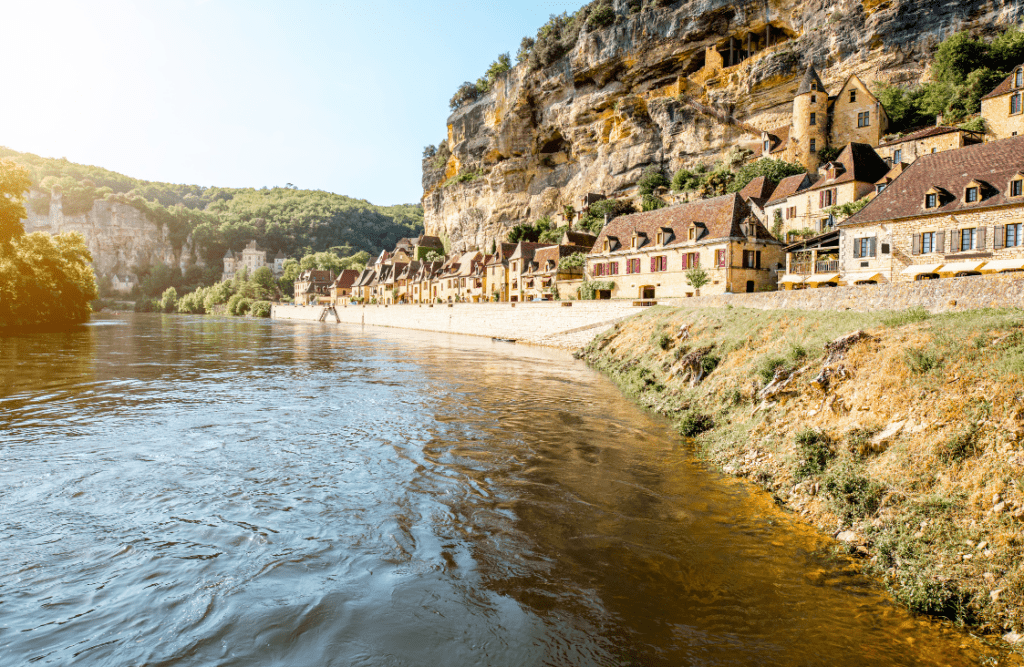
{"x": 651, "y": 203}
{"x": 433, "y": 256}
{"x": 696, "y": 278}
{"x": 263, "y": 279}
{"x": 169, "y": 300}
{"x": 773, "y": 170}
{"x": 45, "y": 281}
{"x": 14, "y": 183}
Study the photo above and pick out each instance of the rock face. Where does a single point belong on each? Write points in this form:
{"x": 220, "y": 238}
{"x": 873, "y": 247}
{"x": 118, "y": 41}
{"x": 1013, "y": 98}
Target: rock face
{"x": 675, "y": 86}
{"x": 119, "y": 236}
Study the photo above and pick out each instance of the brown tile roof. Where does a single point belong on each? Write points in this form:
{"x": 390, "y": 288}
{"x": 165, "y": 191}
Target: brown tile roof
{"x": 761, "y": 188}
{"x": 1005, "y": 87}
{"x": 860, "y": 163}
{"x": 779, "y": 140}
{"x": 555, "y": 253}
{"x": 924, "y": 133}
{"x": 891, "y": 175}
{"x": 425, "y": 241}
{"x": 526, "y": 249}
{"x": 994, "y": 163}
{"x": 721, "y": 218}
{"x": 575, "y": 237}
{"x": 316, "y": 276}
{"x": 791, "y": 185}
{"x": 347, "y": 278}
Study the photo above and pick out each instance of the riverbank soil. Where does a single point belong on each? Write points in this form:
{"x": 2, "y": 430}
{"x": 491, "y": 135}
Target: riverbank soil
{"x": 900, "y": 433}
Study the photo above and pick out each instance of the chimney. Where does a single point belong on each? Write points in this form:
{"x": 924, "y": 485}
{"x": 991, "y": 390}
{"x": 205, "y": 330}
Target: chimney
{"x": 939, "y": 120}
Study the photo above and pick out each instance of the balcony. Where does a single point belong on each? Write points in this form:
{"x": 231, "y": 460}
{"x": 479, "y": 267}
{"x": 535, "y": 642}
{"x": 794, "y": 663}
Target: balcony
{"x": 827, "y": 266}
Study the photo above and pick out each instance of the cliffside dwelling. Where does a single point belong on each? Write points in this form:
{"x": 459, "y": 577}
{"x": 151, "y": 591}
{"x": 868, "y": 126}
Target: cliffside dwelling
{"x": 251, "y": 258}
{"x": 1001, "y": 108}
{"x": 645, "y": 256}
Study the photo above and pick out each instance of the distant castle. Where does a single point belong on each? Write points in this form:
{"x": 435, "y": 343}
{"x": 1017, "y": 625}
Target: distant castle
{"x": 252, "y": 258}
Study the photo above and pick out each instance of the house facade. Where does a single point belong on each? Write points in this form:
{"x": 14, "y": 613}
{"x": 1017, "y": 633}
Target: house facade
{"x": 1002, "y": 108}
{"x": 909, "y": 147}
{"x": 312, "y": 286}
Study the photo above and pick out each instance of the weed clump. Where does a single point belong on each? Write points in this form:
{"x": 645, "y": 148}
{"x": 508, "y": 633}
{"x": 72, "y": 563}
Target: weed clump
{"x": 921, "y": 361}
{"x": 694, "y": 423}
{"x": 905, "y": 317}
{"x": 853, "y": 494}
{"x": 815, "y": 451}
{"x": 664, "y": 341}
{"x": 768, "y": 366}
{"x": 960, "y": 447}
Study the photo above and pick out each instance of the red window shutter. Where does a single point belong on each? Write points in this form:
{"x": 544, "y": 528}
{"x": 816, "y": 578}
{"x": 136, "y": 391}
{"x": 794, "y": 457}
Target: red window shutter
{"x": 821, "y": 199}
{"x": 696, "y": 259}
{"x": 654, "y": 264}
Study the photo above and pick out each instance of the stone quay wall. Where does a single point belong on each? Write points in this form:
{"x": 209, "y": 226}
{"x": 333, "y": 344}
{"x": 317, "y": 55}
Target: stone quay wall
{"x": 936, "y": 296}
{"x": 548, "y": 323}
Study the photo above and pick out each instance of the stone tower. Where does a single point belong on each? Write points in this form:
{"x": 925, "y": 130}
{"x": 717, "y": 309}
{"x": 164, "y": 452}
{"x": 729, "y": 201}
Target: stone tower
{"x": 809, "y": 132}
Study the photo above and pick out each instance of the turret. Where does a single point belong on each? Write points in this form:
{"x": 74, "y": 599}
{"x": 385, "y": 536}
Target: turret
{"x": 809, "y": 133}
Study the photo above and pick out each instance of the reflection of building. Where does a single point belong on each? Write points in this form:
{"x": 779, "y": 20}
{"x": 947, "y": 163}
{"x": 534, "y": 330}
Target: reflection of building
{"x": 251, "y": 258}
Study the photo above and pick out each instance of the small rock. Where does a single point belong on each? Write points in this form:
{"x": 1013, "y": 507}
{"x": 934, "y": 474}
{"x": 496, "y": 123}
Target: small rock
{"x": 918, "y": 535}
{"x": 1013, "y": 637}
{"x": 886, "y": 436}
{"x": 989, "y": 577}
{"x": 969, "y": 543}
{"x": 994, "y": 595}
{"x": 988, "y": 553}
{"x": 996, "y": 498}
{"x": 847, "y": 536}
{"x": 981, "y": 547}
{"x": 966, "y": 556}
{"x": 999, "y": 508}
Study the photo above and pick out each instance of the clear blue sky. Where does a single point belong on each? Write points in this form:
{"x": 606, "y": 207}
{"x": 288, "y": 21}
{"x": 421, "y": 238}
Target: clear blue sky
{"x": 339, "y": 96}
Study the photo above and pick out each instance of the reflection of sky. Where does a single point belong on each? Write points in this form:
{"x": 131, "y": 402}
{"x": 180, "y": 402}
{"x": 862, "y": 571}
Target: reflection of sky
{"x": 224, "y": 491}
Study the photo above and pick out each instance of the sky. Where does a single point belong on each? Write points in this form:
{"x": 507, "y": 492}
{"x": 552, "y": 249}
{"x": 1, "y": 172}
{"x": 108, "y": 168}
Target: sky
{"x": 336, "y": 96}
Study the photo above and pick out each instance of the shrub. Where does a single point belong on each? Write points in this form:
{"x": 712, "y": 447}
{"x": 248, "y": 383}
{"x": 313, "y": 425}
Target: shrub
{"x": 853, "y": 495}
{"x": 709, "y": 363}
{"x": 601, "y": 17}
{"x": 694, "y": 423}
{"x": 960, "y": 446}
{"x": 613, "y": 208}
{"x": 767, "y": 367}
{"x": 685, "y": 180}
{"x": 974, "y": 125}
{"x": 573, "y": 261}
{"x": 663, "y": 340}
{"x": 651, "y": 179}
{"x": 260, "y": 309}
{"x": 651, "y": 203}
{"x": 814, "y": 449}
{"x": 921, "y": 361}
{"x": 774, "y": 170}
{"x": 467, "y": 93}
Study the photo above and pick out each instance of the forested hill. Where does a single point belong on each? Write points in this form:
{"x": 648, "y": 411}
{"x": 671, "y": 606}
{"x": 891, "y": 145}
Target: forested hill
{"x": 287, "y": 219}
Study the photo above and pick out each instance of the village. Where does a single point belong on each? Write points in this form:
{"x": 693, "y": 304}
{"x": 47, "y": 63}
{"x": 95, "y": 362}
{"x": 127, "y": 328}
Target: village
{"x": 937, "y": 202}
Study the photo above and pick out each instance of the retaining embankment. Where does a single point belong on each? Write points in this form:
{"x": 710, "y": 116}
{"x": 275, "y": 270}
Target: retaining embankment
{"x": 936, "y": 296}
{"x": 551, "y": 323}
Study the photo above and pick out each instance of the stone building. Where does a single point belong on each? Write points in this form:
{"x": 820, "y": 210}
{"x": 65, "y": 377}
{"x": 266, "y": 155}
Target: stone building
{"x": 342, "y": 289}
{"x": 497, "y": 270}
{"x": 646, "y": 255}
{"x": 907, "y": 148}
{"x": 819, "y": 120}
{"x": 1002, "y": 108}
{"x": 251, "y": 258}
{"x": 948, "y": 214}
{"x": 779, "y": 214}
{"x": 519, "y": 267}
{"x": 547, "y": 278}
{"x": 312, "y": 286}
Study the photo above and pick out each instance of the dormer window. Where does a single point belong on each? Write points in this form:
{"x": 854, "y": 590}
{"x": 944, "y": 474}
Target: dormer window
{"x": 767, "y": 146}
{"x": 1017, "y": 187}
{"x": 971, "y": 195}
{"x": 879, "y": 188}
{"x": 814, "y": 85}
{"x": 1018, "y": 78}
{"x": 692, "y": 234}
{"x": 931, "y": 200}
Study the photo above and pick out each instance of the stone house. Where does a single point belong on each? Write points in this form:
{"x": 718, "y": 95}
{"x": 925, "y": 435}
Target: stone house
{"x": 546, "y": 278}
{"x": 311, "y": 285}
{"x": 757, "y": 193}
{"x": 779, "y": 215}
{"x": 361, "y": 288}
{"x": 646, "y": 255}
{"x": 909, "y": 147}
{"x": 948, "y": 214}
{"x": 342, "y": 289}
{"x": 123, "y": 284}
{"x": 519, "y": 266}
{"x": 1002, "y": 108}
{"x": 497, "y": 270}
{"x": 812, "y": 262}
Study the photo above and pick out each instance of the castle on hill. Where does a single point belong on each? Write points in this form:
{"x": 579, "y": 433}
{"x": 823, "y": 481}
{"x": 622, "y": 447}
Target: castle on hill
{"x": 251, "y": 258}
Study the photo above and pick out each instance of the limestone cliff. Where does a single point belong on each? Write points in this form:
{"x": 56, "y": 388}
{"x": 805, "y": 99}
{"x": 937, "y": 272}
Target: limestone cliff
{"x": 671, "y": 86}
{"x": 118, "y": 235}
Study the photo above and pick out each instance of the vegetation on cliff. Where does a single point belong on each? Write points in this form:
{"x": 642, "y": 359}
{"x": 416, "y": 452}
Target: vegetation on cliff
{"x": 45, "y": 281}
{"x": 901, "y": 433}
{"x": 284, "y": 219}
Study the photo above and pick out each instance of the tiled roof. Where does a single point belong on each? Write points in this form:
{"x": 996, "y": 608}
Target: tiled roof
{"x": 316, "y": 276}
{"x": 526, "y": 249}
{"x": 924, "y": 133}
{"x": 347, "y": 278}
{"x": 810, "y": 77}
{"x": 721, "y": 218}
{"x": 891, "y": 175}
{"x": 760, "y": 188}
{"x": 229, "y": 254}
{"x": 575, "y": 237}
{"x": 779, "y": 139}
{"x": 425, "y": 241}
{"x": 791, "y": 185}
{"x": 502, "y": 253}
{"x": 1005, "y": 87}
{"x": 994, "y": 163}
{"x": 555, "y": 253}
{"x": 860, "y": 163}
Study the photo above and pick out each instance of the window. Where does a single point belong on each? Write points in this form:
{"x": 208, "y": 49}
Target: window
{"x": 931, "y": 201}
{"x": 1018, "y": 78}
{"x": 790, "y": 212}
{"x": 967, "y": 239}
{"x": 864, "y": 247}
{"x": 814, "y": 118}
{"x": 864, "y": 119}
{"x": 691, "y": 260}
{"x": 1013, "y": 235}
{"x": 752, "y": 259}
{"x": 879, "y": 188}
{"x": 828, "y": 198}
{"x": 720, "y": 258}
{"x": 897, "y": 156}
{"x": 1015, "y": 103}
{"x": 814, "y": 85}
{"x": 1016, "y": 188}
{"x": 927, "y": 242}
{"x": 767, "y": 146}
{"x": 613, "y": 268}
{"x": 659, "y": 263}
{"x": 693, "y": 233}
{"x": 853, "y": 95}
{"x": 971, "y": 195}
{"x": 814, "y": 100}
{"x": 814, "y": 146}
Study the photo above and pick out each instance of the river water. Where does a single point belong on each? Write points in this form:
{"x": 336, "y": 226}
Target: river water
{"x": 201, "y": 491}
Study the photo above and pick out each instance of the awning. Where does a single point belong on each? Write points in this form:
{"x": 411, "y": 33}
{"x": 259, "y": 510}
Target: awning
{"x": 819, "y": 278}
{"x": 920, "y": 269}
{"x": 960, "y": 267}
{"x": 1005, "y": 265}
{"x": 853, "y": 278}
{"x": 790, "y": 278}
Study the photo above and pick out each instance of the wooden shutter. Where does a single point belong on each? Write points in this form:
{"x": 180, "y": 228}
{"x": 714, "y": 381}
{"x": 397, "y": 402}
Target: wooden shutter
{"x": 998, "y": 239}
{"x": 940, "y": 242}
{"x": 874, "y": 247}
{"x": 835, "y": 196}
{"x": 757, "y": 260}
{"x": 821, "y": 199}
{"x": 696, "y": 259}
{"x": 856, "y": 248}
{"x": 982, "y": 238}
{"x": 954, "y": 241}
{"x": 915, "y": 245}
{"x": 654, "y": 264}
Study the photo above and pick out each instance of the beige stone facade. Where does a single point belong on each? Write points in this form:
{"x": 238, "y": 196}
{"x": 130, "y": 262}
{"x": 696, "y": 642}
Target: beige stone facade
{"x": 857, "y": 116}
{"x": 1003, "y": 108}
{"x": 925, "y": 142}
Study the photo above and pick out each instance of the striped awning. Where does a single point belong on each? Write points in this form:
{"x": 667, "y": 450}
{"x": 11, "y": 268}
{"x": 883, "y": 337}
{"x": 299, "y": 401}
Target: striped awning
{"x": 1005, "y": 265}
{"x": 920, "y": 269}
{"x": 961, "y": 267}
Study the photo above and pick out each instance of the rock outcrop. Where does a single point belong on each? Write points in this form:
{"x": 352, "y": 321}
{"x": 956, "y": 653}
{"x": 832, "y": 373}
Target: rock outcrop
{"x": 119, "y": 236}
{"x": 673, "y": 86}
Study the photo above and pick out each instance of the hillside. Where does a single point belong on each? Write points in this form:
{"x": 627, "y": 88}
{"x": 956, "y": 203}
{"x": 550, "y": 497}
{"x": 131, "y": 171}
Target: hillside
{"x": 186, "y": 224}
{"x": 621, "y": 86}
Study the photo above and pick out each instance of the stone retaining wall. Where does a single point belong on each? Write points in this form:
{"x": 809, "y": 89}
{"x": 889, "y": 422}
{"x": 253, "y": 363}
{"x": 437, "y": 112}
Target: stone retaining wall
{"x": 938, "y": 296}
{"x": 543, "y": 323}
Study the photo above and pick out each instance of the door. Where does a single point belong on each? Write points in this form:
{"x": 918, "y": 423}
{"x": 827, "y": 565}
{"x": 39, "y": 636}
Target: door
{"x": 750, "y": 285}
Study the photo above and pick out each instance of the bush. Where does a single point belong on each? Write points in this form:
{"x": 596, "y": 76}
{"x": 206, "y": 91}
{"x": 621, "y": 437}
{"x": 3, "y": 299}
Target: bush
{"x": 663, "y": 340}
{"x": 169, "y": 300}
{"x": 652, "y": 203}
{"x": 601, "y": 17}
{"x": 767, "y": 367}
{"x": 573, "y": 261}
{"x": 260, "y": 309}
{"x": 774, "y": 170}
{"x": 593, "y": 221}
{"x": 467, "y": 93}
{"x": 853, "y": 495}
{"x": 685, "y": 180}
{"x": 960, "y": 446}
{"x": 814, "y": 449}
{"x": 651, "y": 180}
{"x": 694, "y": 423}
{"x": 921, "y": 361}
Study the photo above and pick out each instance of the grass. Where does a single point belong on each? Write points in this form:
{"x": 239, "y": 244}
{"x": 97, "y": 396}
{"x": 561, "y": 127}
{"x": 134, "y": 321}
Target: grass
{"x": 905, "y": 317}
{"x": 814, "y": 451}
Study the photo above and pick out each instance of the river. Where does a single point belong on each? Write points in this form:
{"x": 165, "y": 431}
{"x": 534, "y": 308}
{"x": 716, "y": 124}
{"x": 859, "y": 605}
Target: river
{"x": 202, "y": 491}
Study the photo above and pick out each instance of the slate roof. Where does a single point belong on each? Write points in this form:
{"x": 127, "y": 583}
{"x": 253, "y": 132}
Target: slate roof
{"x": 810, "y": 77}
{"x": 1005, "y": 87}
{"x": 779, "y": 139}
{"x": 721, "y": 218}
{"x": 791, "y": 185}
{"x": 924, "y": 133}
{"x": 229, "y": 254}
{"x": 280, "y": 255}
{"x": 860, "y": 163}
{"x": 994, "y": 164}
{"x": 584, "y": 239}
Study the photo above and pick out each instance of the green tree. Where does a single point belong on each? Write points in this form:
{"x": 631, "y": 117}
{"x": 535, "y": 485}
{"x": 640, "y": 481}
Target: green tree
{"x": 263, "y": 278}
{"x": 651, "y": 179}
{"x": 696, "y": 278}
{"x": 774, "y": 170}
{"x": 45, "y": 281}
{"x": 652, "y": 203}
{"x": 14, "y": 183}
{"x": 169, "y": 300}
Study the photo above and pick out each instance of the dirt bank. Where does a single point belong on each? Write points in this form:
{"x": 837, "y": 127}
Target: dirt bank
{"x": 905, "y": 440}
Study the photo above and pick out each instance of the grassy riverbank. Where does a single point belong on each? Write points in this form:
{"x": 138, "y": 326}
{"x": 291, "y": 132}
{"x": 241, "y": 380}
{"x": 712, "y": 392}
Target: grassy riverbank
{"x": 907, "y": 442}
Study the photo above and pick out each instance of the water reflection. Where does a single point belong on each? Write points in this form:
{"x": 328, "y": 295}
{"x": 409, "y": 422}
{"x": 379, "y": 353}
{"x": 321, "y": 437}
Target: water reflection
{"x": 241, "y": 493}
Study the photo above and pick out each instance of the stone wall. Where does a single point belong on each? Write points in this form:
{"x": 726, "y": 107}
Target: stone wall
{"x": 937, "y": 296}
{"x": 549, "y": 323}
